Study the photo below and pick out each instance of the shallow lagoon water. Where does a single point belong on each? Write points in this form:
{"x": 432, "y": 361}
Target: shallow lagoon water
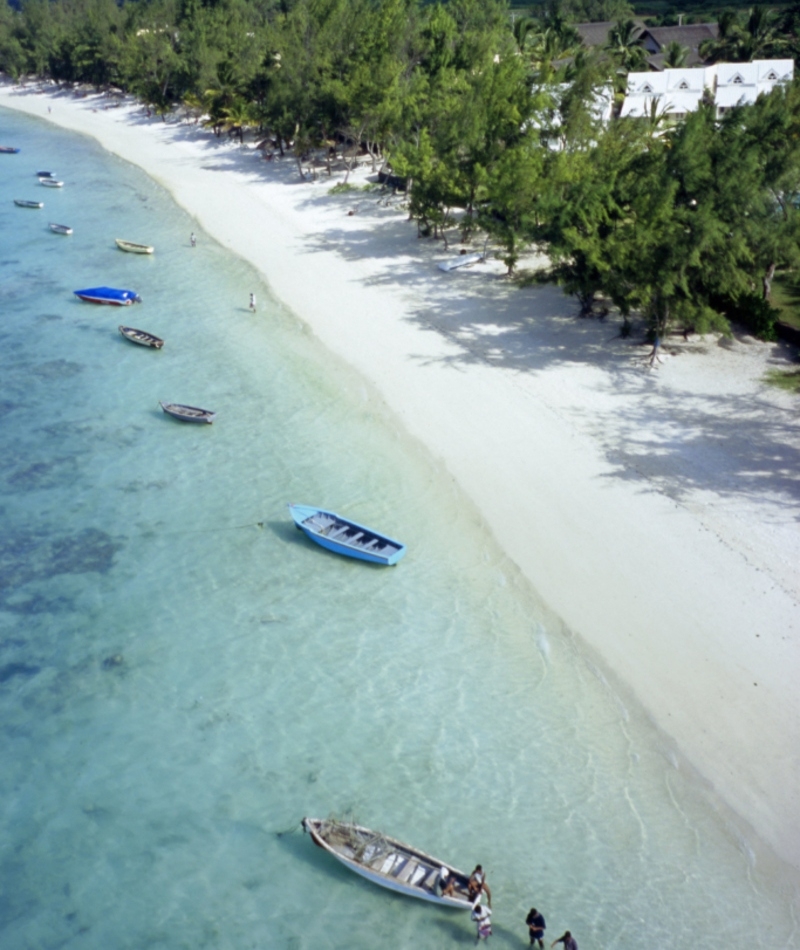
{"x": 183, "y": 675}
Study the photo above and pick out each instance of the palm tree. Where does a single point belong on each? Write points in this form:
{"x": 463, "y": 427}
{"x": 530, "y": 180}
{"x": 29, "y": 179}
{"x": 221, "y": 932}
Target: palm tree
{"x": 675, "y": 55}
{"x": 624, "y": 46}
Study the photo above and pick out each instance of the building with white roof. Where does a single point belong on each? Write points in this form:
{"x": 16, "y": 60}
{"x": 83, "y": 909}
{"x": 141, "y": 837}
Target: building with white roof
{"x": 676, "y": 92}
{"x": 740, "y": 84}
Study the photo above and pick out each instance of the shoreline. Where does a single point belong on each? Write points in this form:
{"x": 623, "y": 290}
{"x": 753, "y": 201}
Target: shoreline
{"x": 668, "y": 500}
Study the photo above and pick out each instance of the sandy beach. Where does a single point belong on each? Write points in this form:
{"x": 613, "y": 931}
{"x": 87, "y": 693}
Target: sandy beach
{"x": 654, "y": 510}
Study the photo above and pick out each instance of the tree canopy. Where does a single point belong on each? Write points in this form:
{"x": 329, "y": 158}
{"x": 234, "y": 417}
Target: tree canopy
{"x": 492, "y": 119}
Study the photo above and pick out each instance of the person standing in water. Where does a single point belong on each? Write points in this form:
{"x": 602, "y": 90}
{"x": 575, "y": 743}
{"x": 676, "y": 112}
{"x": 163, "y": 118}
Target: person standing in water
{"x": 253, "y": 302}
{"x": 193, "y": 239}
{"x": 536, "y": 927}
{"x": 570, "y": 943}
{"x": 483, "y": 921}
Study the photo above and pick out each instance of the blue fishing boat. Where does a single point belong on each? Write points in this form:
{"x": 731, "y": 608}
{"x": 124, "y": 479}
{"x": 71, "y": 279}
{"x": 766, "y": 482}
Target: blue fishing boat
{"x": 119, "y": 298}
{"x": 8, "y": 150}
{"x": 338, "y": 534}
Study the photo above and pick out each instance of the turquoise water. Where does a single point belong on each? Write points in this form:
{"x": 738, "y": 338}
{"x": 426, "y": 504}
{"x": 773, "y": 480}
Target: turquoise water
{"x": 183, "y": 676}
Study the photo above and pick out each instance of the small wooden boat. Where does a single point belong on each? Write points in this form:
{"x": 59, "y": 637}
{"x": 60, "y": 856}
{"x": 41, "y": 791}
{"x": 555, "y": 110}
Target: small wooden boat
{"x": 51, "y": 182}
{"x": 142, "y": 338}
{"x": 110, "y": 295}
{"x": 60, "y": 228}
{"x": 22, "y": 203}
{"x": 389, "y": 862}
{"x": 337, "y": 534}
{"x": 8, "y": 150}
{"x": 187, "y": 413}
{"x": 133, "y": 248}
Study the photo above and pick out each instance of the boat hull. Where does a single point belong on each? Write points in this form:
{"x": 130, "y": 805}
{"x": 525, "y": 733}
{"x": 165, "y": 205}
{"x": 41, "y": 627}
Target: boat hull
{"x": 8, "y": 150}
{"x": 108, "y": 295}
{"x": 133, "y": 248}
{"x": 345, "y": 537}
{"x": 188, "y": 413}
{"x": 424, "y": 865}
{"x": 51, "y": 183}
{"x": 60, "y": 228}
{"x": 22, "y": 203}
{"x": 142, "y": 338}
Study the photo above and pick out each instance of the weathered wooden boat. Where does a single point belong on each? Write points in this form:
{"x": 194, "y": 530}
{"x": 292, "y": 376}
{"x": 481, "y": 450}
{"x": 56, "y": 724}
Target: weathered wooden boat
{"x": 51, "y": 182}
{"x": 60, "y": 228}
{"x": 337, "y": 534}
{"x": 109, "y": 295}
{"x": 389, "y": 862}
{"x": 23, "y": 203}
{"x": 142, "y": 338}
{"x": 8, "y": 150}
{"x": 132, "y": 248}
{"x": 187, "y": 413}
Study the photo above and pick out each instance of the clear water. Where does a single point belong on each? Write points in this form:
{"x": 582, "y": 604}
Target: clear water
{"x": 183, "y": 676}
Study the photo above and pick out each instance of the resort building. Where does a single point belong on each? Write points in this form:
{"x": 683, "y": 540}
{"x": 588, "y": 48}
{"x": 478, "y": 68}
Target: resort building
{"x": 676, "y": 92}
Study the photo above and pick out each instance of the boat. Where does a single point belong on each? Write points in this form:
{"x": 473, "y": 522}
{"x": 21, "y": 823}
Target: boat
{"x": 23, "y": 203}
{"x": 133, "y": 248}
{"x": 187, "y": 413}
{"x": 110, "y": 295}
{"x": 8, "y": 150}
{"x": 464, "y": 261}
{"x": 346, "y": 537}
{"x": 388, "y": 862}
{"x": 142, "y": 338}
{"x": 60, "y": 228}
{"x": 45, "y": 174}
{"x": 51, "y": 182}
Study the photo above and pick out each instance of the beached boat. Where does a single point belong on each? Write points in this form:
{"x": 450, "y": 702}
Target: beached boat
{"x": 388, "y": 862}
{"x": 23, "y": 203}
{"x": 142, "y": 338}
{"x": 133, "y": 248}
{"x": 110, "y": 295}
{"x": 60, "y": 228}
{"x": 187, "y": 413}
{"x": 346, "y": 537}
{"x": 51, "y": 182}
{"x": 464, "y": 261}
{"x": 8, "y": 150}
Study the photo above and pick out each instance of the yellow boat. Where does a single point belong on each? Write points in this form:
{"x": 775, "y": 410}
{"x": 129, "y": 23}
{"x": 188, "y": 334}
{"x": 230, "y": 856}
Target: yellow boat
{"x": 132, "y": 247}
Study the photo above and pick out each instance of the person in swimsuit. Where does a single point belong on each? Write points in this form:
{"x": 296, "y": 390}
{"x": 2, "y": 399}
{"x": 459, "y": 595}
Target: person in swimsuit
{"x": 445, "y": 885}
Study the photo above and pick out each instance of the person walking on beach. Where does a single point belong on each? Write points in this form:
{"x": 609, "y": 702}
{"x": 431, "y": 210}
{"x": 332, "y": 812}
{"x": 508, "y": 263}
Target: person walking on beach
{"x": 536, "y": 927}
{"x": 570, "y": 943}
{"x": 477, "y": 885}
{"x": 253, "y": 302}
{"x": 193, "y": 239}
{"x": 483, "y": 921}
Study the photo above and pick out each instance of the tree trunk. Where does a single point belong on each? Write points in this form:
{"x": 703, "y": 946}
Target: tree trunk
{"x": 766, "y": 281}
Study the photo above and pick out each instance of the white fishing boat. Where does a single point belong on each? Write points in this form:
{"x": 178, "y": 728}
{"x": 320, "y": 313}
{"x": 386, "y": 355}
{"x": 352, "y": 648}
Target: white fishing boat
{"x": 60, "y": 228}
{"x": 464, "y": 261}
{"x": 141, "y": 337}
{"x": 187, "y": 413}
{"x": 132, "y": 248}
{"x": 51, "y": 183}
{"x": 389, "y": 862}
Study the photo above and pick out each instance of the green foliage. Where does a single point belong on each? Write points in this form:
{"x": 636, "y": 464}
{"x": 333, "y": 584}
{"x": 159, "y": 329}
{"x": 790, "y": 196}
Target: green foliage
{"x": 786, "y": 380}
{"x": 491, "y": 119}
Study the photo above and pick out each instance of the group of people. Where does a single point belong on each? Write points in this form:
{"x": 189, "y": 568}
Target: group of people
{"x": 482, "y": 914}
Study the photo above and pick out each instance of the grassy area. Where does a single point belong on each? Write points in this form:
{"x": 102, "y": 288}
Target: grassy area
{"x": 784, "y": 379}
{"x": 786, "y": 297}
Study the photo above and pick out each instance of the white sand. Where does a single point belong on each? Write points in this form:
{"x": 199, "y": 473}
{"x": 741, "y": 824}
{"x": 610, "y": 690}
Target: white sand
{"x": 654, "y": 511}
